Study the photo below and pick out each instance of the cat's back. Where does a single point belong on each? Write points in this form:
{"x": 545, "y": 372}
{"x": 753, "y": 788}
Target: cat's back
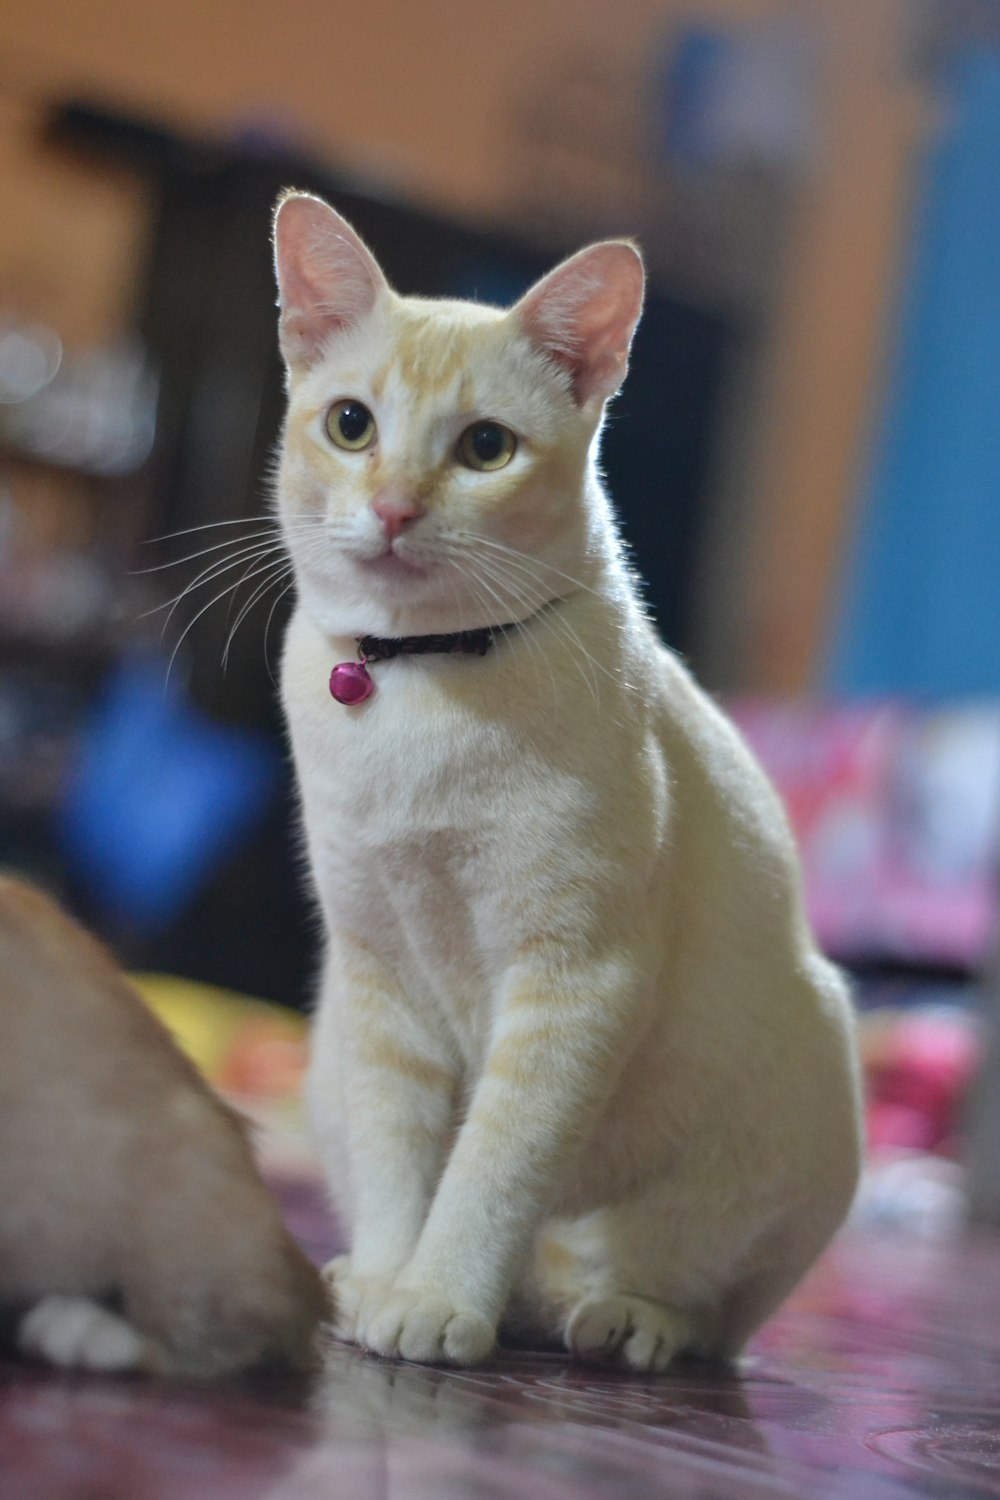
{"x": 64, "y": 1004}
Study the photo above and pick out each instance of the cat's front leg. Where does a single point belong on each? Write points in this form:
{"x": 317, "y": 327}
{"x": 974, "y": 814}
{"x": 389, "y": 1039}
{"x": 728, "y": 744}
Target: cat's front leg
{"x": 561, "y": 1038}
{"x": 382, "y": 1088}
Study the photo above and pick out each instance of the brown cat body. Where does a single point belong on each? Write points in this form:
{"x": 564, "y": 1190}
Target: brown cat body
{"x": 135, "y": 1231}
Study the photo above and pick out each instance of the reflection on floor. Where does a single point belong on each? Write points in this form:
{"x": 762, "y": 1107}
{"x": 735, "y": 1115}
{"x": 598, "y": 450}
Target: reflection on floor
{"x": 880, "y": 1379}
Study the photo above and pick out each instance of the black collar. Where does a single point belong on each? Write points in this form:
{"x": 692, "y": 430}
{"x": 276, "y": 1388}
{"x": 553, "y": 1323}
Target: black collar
{"x": 461, "y": 642}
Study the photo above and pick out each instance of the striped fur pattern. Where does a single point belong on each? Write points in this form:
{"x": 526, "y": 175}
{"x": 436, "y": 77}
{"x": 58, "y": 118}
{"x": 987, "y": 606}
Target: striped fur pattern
{"x": 579, "y": 1074}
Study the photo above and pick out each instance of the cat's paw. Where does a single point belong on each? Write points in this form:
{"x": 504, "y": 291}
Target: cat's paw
{"x": 75, "y": 1333}
{"x": 631, "y": 1332}
{"x": 353, "y": 1297}
{"x": 425, "y": 1327}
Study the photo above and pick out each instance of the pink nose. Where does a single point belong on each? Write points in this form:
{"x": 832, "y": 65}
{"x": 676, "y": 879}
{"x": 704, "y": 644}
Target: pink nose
{"x": 396, "y": 514}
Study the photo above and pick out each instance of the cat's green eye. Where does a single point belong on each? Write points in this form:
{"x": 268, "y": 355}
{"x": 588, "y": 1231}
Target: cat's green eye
{"x": 350, "y": 425}
{"x": 487, "y": 445}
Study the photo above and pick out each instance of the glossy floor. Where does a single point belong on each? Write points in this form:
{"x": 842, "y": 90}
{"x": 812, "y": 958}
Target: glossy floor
{"x": 881, "y": 1378}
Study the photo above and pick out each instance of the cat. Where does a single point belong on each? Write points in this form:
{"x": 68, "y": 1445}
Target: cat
{"x": 136, "y": 1233}
{"x": 579, "y": 1074}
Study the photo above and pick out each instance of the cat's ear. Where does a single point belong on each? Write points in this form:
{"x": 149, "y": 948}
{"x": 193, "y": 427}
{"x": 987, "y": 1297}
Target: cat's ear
{"x": 327, "y": 278}
{"x": 584, "y": 313}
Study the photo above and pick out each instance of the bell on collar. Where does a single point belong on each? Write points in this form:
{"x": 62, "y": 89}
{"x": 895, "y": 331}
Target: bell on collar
{"x": 351, "y": 682}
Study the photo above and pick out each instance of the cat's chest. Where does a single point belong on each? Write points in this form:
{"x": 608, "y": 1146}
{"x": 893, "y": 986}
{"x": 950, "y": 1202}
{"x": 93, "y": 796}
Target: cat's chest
{"x": 408, "y": 800}
{"x": 414, "y": 820}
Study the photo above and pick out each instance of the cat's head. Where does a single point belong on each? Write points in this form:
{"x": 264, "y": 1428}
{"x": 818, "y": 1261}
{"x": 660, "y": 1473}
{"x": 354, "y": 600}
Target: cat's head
{"x": 436, "y": 468}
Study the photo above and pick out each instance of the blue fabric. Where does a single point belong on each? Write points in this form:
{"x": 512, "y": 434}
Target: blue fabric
{"x": 160, "y": 796}
{"x": 921, "y": 608}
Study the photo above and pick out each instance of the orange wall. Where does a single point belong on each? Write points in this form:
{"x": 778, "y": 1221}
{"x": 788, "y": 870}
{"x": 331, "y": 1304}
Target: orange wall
{"x": 428, "y": 95}
{"x": 419, "y": 90}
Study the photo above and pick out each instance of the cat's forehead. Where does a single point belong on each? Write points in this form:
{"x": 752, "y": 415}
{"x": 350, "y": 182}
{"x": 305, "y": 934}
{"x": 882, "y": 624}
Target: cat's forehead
{"x": 436, "y": 347}
{"x": 418, "y": 346}
{"x": 422, "y": 359}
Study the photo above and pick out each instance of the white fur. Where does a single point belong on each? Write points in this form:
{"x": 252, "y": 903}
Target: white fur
{"x": 577, "y": 1063}
{"x": 75, "y": 1333}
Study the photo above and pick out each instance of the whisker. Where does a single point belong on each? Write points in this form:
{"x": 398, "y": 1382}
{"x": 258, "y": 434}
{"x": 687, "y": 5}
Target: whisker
{"x": 556, "y": 622}
{"x": 276, "y": 573}
{"x": 484, "y": 592}
{"x": 533, "y": 606}
{"x": 525, "y": 565}
{"x": 526, "y": 561}
{"x": 211, "y": 574}
{"x": 267, "y": 628}
{"x": 206, "y": 607}
{"x": 272, "y": 532}
{"x": 168, "y": 536}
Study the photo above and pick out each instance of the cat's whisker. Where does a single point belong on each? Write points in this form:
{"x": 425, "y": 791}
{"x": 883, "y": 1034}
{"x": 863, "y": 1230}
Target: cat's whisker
{"x": 515, "y": 555}
{"x": 535, "y": 606}
{"x": 265, "y": 566}
{"x": 550, "y": 620}
{"x": 557, "y": 620}
{"x": 276, "y": 573}
{"x": 459, "y": 612}
{"x": 554, "y": 621}
{"x": 504, "y": 605}
{"x": 267, "y": 628}
{"x": 244, "y": 552}
{"x": 216, "y": 570}
{"x": 271, "y": 532}
{"x": 484, "y": 593}
{"x": 169, "y": 536}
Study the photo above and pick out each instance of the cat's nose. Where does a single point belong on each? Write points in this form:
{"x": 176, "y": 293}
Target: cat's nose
{"x": 396, "y": 513}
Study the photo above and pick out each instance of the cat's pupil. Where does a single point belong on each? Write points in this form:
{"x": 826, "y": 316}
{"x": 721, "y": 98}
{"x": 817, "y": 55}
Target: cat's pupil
{"x": 487, "y": 442}
{"x": 353, "y": 421}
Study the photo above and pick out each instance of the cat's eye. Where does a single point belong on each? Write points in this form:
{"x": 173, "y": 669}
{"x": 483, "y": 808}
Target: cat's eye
{"x": 487, "y": 445}
{"x": 350, "y": 425}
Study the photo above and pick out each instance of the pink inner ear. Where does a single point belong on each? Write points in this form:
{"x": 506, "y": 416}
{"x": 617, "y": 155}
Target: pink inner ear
{"x": 584, "y": 313}
{"x": 327, "y": 277}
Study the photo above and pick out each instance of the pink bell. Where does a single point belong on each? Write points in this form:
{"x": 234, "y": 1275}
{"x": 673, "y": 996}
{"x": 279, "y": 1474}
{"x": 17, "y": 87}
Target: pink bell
{"x": 350, "y": 682}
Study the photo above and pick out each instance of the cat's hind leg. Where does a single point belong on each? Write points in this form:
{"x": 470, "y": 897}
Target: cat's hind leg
{"x": 635, "y": 1284}
{"x": 567, "y": 1300}
{"x": 593, "y": 1316}
{"x": 621, "y": 1328}
{"x": 664, "y": 1274}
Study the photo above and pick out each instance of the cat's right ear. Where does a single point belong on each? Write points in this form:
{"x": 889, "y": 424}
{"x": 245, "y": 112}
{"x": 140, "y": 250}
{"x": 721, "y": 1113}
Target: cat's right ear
{"x": 583, "y": 314}
{"x": 327, "y": 277}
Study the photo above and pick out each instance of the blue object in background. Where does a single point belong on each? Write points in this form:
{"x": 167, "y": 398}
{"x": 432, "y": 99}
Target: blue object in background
{"x": 731, "y": 95}
{"x": 921, "y": 612}
{"x": 160, "y": 796}
{"x": 696, "y": 68}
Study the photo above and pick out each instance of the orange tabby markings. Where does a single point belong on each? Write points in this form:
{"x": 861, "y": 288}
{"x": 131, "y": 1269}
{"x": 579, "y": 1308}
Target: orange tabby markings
{"x": 381, "y": 1052}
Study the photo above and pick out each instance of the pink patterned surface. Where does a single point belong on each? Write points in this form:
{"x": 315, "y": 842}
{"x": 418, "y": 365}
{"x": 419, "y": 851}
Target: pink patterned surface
{"x": 880, "y": 1379}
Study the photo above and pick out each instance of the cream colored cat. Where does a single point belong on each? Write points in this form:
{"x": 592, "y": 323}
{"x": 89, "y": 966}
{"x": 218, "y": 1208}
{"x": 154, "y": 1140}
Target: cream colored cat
{"x": 579, "y": 1071}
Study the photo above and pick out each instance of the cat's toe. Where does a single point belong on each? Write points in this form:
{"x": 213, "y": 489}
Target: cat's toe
{"x": 335, "y": 1271}
{"x": 355, "y": 1298}
{"x": 428, "y": 1329}
{"x": 597, "y": 1328}
{"x": 634, "y": 1332}
{"x": 651, "y": 1347}
{"x": 75, "y": 1333}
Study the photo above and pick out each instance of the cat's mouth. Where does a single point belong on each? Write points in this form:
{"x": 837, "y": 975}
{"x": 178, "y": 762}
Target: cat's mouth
{"x": 392, "y": 565}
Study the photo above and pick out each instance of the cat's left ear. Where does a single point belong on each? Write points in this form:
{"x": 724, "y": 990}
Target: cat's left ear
{"x": 584, "y": 313}
{"x": 328, "y": 279}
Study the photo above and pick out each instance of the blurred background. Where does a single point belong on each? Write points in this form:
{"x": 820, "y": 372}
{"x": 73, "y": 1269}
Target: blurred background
{"x": 806, "y": 458}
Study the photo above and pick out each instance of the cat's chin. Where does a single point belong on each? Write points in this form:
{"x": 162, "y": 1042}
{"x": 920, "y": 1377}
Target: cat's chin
{"x": 392, "y": 568}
